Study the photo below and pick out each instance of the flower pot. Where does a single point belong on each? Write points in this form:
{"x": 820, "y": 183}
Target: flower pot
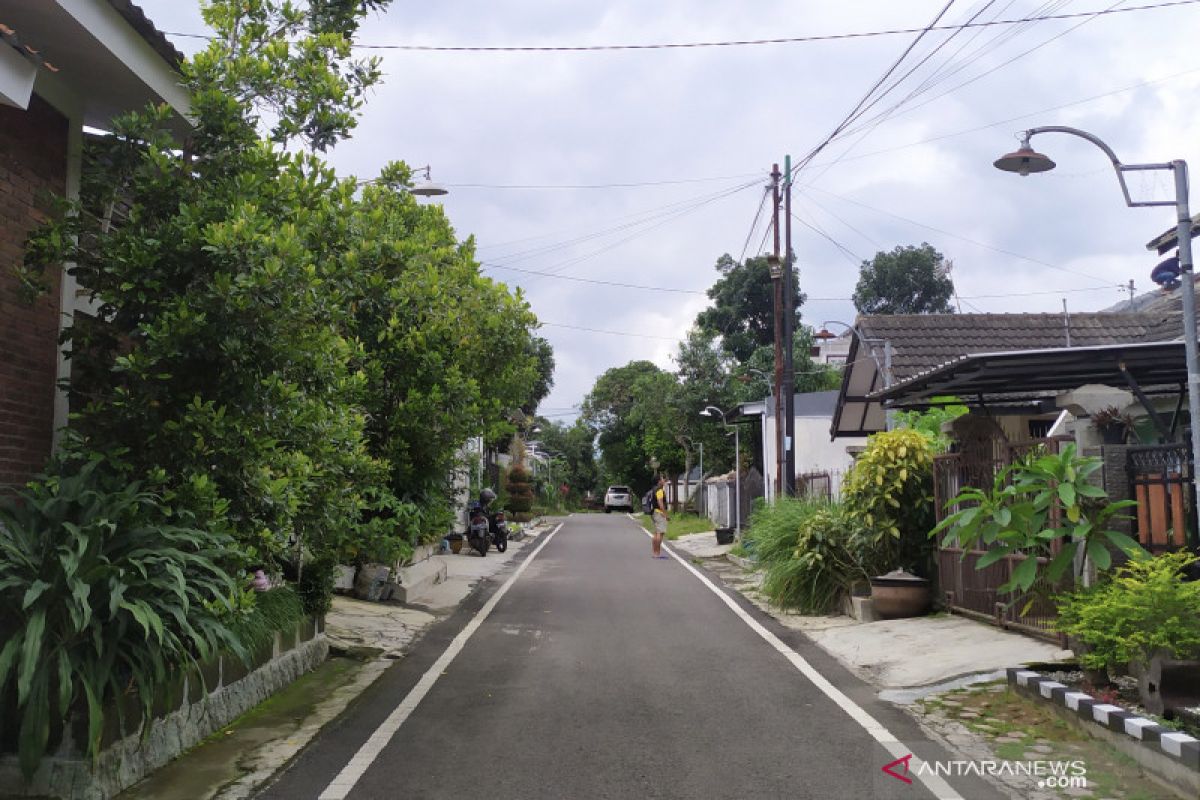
{"x": 456, "y": 542}
{"x": 1113, "y": 434}
{"x": 900, "y": 594}
{"x": 724, "y": 535}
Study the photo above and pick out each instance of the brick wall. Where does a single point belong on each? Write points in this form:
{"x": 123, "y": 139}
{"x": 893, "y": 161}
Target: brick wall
{"x": 33, "y": 163}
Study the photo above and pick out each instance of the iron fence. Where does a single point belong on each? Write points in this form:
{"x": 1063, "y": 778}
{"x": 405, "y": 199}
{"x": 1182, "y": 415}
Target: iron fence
{"x": 1160, "y": 480}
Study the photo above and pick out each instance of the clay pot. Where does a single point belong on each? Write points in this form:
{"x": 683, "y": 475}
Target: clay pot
{"x": 900, "y": 594}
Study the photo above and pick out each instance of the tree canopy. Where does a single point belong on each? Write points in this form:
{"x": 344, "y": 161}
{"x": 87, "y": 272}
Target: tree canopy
{"x": 286, "y": 355}
{"x": 742, "y": 312}
{"x": 907, "y": 280}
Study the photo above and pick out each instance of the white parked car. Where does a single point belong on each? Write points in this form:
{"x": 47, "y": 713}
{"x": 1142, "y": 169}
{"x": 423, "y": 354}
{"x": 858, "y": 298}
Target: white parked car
{"x": 618, "y": 497}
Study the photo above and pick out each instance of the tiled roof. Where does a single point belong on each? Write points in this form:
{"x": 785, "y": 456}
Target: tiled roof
{"x": 138, "y": 20}
{"x": 920, "y": 342}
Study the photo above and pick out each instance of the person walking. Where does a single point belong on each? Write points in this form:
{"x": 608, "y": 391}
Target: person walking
{"x": 660, "y": 517}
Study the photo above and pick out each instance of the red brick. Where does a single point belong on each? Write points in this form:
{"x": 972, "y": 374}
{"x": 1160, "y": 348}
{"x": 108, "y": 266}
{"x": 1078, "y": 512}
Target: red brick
{"x": 34, "y": 160}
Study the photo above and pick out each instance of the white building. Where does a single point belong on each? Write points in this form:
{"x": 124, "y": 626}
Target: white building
{"x": 820, "y": 463}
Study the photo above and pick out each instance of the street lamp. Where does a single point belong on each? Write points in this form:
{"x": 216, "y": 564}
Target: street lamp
{"x": 428, "y": 188}
{"x": 711, "y": 411}
{"x": 1026, "y": 160}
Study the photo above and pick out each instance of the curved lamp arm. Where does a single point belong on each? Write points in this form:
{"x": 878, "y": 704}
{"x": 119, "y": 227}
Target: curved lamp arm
{"x": 1118, "y": 167}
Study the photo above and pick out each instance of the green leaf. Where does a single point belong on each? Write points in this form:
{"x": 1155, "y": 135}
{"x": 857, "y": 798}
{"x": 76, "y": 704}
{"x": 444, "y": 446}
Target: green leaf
{"x": 36, "y": 590}
{"x": 1024, "y": 574}
{"x": 1003, "y": 516}
{"x": 1125, "y": 543}
{"x": 1061, "y": 561}
{"x": 992, "y": 556}
{"x": 1099, "y": 554}
{"x": 8, "y": 657}
{"x": 31, "y": 651}
{"x": 1066, "y": 493}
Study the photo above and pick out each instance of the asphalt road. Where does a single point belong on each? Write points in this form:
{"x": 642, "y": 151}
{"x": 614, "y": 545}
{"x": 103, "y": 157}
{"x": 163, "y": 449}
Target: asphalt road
{"x": 604, "y": 673}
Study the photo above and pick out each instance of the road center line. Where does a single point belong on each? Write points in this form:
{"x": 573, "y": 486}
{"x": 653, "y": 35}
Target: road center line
{"x": 934, "y": 783}
{"x": 340, "y": 787}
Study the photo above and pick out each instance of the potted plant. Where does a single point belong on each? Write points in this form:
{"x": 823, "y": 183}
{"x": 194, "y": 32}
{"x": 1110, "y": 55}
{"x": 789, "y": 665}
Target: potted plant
{"x": 456, "y": 542}
{"x": 1113, "y": 425}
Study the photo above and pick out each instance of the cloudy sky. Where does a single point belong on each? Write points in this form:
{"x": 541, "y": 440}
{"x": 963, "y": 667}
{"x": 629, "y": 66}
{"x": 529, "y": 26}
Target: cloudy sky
{"x": 642, "y": 167}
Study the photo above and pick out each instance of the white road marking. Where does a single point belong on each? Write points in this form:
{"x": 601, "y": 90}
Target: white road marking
{"x": 934, "y": 783}
{"x": 341, "y": 786}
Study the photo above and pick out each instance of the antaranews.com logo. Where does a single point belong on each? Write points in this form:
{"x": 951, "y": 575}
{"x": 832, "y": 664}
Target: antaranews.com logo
{"x": 1049, "y": 774}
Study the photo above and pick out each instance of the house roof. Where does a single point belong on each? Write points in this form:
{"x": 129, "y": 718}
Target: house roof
{"x": 107, "y": 57}
{"x": 891, "y": 349}
{"x": 1154, "y": 366}
{"x": 137, "y": 19}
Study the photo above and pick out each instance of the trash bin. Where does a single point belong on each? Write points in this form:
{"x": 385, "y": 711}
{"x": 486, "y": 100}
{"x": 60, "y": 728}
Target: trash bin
{"x": 724, "y": 535}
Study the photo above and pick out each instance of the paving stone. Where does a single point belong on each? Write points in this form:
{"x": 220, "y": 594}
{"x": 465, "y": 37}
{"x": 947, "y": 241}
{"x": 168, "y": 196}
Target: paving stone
{"x": 1042, "y": 748}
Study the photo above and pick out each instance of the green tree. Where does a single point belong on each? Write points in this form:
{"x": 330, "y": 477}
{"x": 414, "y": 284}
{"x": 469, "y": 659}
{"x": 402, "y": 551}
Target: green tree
{"x": 280, "y": 352}
{"x": 742, "y": 312}
{"x": 629, "y": 407}
{"x": 576, "y": 444}
{"x": 907, "y": 280}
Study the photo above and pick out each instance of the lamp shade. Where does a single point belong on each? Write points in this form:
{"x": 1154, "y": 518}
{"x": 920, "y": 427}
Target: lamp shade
{"x": 1024, "y": 161}
{"x": 428, "y": 189}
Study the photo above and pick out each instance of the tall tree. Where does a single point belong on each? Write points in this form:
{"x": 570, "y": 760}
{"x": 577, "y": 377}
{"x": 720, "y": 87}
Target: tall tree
{"x": 742, "y": 312}
{"x": 630, "y": 408}
{"x": 907, "y": 280}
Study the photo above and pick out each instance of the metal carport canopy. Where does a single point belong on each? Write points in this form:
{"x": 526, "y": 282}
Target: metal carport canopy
{"x": 1153, "y": 365}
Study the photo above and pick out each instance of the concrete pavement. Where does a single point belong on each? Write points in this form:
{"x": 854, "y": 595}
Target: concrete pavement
{"x": 605, "y": 673}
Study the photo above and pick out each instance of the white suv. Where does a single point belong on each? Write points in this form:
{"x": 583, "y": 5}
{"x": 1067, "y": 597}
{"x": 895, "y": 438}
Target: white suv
{"x": 618, "y": 497}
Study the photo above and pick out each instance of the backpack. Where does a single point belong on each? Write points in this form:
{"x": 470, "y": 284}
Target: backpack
{"x": 648, "y": 504}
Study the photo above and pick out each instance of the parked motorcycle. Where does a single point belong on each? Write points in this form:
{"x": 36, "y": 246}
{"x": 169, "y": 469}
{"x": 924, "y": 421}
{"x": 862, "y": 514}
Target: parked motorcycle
{"x": 498, "y": 525}
{"x": 479, "y": 536}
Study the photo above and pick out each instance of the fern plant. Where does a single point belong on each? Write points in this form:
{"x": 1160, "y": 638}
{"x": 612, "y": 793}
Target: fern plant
{"x": 102, "y": 594}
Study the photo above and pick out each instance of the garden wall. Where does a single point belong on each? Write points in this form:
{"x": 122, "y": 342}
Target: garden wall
{"x": 188, "y": 709}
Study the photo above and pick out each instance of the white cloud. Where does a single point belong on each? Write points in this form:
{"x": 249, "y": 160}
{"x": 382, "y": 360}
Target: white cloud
{"x": 682, "y": 114}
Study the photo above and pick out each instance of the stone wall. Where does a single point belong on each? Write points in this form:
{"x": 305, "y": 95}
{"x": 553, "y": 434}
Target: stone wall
{"x": 33, "y": 167}
{"x": 194, "y": 705}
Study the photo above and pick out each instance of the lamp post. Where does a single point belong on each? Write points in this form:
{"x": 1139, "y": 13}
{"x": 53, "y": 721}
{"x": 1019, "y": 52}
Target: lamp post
{"x": 428, "y": 188}
{"x": 737, "y": 466}
{"x": 1026, "y": 160}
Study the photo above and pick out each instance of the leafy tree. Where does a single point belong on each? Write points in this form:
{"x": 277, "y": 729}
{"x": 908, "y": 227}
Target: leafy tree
{"x": 627, "y": 408}
{"x": 277, "y": 350}
{"x": 576, "y": 445}
{"x": 742, "y": 313}
{"x": 907, "y": 280}
{"x": 539, "y": 349}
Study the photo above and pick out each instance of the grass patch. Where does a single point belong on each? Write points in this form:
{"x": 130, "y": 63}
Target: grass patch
{"x": 680, "y": 525}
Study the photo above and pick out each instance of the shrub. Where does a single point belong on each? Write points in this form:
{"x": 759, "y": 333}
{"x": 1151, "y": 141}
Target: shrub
{"x": 279, "y": 609}
{"x": 102, "y": 590}
{"x": 809, "y": 551}
{"x": 889, "y": 496}
{"x": 1145, "y": 606}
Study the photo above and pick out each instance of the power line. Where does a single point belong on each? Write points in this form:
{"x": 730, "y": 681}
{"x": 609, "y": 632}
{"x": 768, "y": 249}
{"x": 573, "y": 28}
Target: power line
{"x": 593, "y": 280}
{"x": 735, "y": 42}
{"x": 754, "y": 224}
{"x": 846, "y": 120}
{"x": 627, "y": 185}
{"x": 957, "y": 236}
{"x": 610, "y": 333}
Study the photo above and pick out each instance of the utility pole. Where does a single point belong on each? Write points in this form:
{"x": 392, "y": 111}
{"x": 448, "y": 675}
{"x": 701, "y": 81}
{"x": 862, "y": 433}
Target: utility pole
{"x": 777, "y": 286}
{"x": 789, "y": 335}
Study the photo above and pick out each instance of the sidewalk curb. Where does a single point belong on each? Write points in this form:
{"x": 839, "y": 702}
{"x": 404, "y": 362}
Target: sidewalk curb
{"x": 1172, "y": 756}
{"x": 744, "y": 563}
